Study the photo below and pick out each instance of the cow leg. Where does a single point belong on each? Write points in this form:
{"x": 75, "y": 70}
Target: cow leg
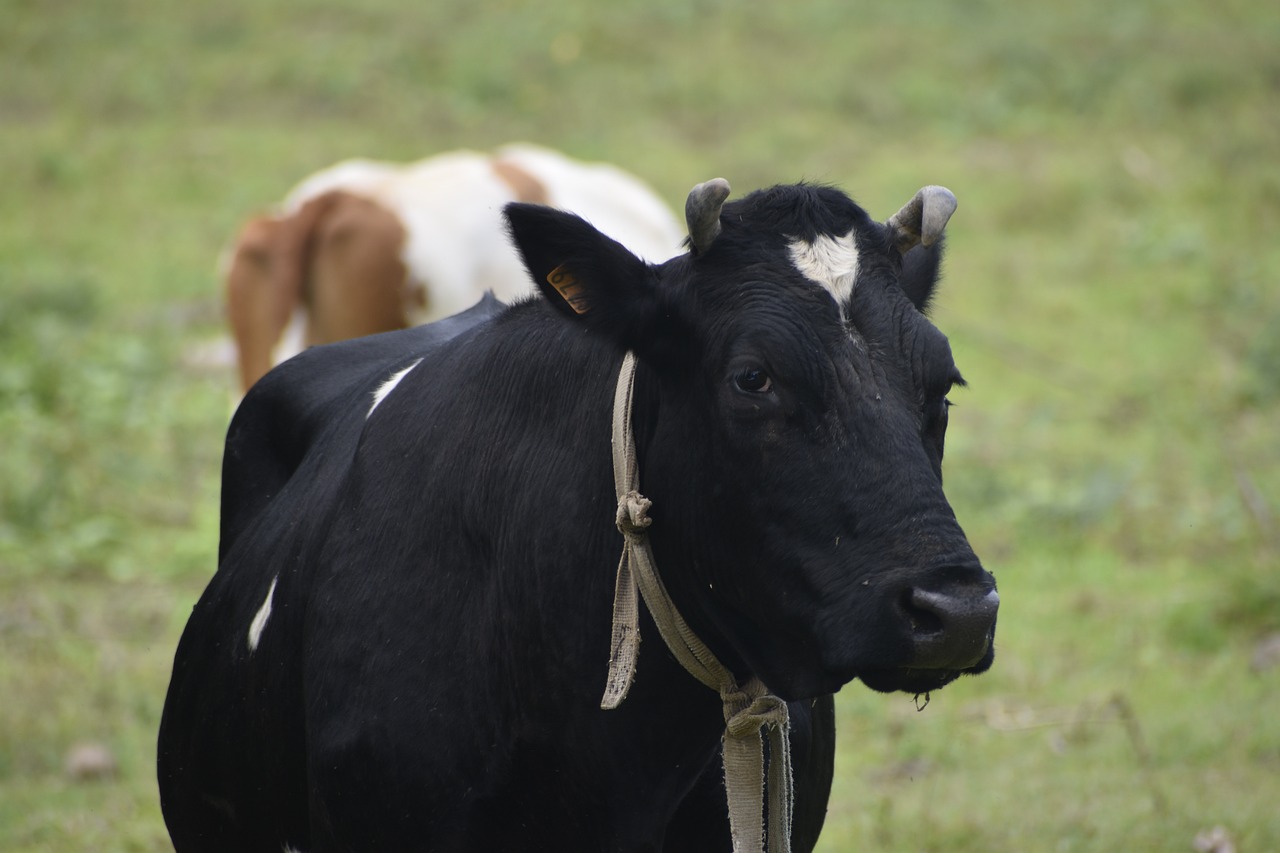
{"x": 256, "y": 309}
{"x": 813, "y": 757}
{"x": 358, "y": 284}
{"x": 702, "y": 823}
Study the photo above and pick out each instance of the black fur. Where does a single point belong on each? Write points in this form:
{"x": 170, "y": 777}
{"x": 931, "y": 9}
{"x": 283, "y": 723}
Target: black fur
{"x": 431, "y": 673}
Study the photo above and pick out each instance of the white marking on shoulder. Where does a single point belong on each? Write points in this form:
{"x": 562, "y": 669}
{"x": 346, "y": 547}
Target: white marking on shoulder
{"x": 260, "y": 618}
{"x": 289, "y": 848}
{"x": 385, "y": 389}
{"x": 829, "y": 261}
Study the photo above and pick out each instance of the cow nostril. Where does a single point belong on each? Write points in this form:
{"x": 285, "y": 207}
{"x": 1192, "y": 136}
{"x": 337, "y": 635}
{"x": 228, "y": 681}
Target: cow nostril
{"x": 969, "y": 608}
{"x": 922, "y": 618}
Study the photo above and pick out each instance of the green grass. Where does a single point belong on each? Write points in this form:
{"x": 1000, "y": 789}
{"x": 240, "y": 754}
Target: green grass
{"x": 1110, "y": 295}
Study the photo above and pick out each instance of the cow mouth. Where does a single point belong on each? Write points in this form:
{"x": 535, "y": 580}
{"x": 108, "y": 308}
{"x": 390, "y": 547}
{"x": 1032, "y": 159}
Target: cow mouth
{"x": 908, "y": 680}
{"x": 917, "y": 680}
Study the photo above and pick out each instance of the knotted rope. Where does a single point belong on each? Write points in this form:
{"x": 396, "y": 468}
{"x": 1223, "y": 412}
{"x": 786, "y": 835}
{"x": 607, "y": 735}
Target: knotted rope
{"x": 750, "y": 711}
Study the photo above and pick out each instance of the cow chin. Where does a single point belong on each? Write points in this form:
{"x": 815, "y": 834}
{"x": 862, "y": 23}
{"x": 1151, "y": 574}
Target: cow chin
{"x": 907, "y": 680}
{"x": 798, "y": 683}
{"x": 919, "y": 680}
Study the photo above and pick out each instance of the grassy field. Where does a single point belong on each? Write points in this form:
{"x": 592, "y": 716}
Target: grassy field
{"x": 1111, "y": 295}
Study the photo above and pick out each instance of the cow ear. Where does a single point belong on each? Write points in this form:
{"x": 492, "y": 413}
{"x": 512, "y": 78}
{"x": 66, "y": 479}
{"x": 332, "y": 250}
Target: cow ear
{"x": 920, "y": 269}
{"x": 584, "y": 274}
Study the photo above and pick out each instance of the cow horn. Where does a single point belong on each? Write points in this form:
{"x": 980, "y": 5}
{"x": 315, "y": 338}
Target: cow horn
{"x": 702, "y": 212}
{"x": 922, "y": 219}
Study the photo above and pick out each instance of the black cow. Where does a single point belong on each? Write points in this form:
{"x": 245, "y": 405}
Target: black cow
{"x": 406, "y": 640}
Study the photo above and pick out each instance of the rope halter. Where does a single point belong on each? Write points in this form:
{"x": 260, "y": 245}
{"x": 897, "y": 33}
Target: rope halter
{"x": 751, "y": 712}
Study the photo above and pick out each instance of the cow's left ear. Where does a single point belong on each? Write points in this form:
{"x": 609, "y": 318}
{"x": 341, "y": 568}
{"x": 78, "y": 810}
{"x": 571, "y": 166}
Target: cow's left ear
{"x": 586, "y": 275}
{"x": 920, "y": 269}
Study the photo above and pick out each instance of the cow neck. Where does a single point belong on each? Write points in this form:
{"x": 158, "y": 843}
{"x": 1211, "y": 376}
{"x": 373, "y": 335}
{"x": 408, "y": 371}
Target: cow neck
{"x": 751, "y": 712}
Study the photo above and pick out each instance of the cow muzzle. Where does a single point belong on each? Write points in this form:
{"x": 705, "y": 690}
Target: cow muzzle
{"x": 947, "y": 620}
{"x": 931, "y": 628}
{"x": 952, "y": 625}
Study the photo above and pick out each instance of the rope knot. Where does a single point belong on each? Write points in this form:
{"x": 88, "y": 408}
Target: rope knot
{"x": 633, "y": 513}
{"x": 752, "y": 716}
{"x": 750, "y": 708}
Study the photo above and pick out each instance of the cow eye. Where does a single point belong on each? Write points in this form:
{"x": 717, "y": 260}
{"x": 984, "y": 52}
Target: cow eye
{"x": 753, "y": 380}
{"x": 937, "y": 422}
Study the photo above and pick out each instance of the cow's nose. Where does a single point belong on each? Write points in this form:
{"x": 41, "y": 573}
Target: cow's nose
{"x": 951, "y": 626}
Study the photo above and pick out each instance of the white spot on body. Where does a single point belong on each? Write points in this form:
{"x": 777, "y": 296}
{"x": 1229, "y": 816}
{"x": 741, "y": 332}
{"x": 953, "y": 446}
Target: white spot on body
{"x": 385, "y": 389}
{"x": 260, "y": 618}
{"x": 829, "y": 261}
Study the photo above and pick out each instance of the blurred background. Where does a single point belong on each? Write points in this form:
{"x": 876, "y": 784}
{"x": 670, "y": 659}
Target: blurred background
{"x": 1110, "y": 293}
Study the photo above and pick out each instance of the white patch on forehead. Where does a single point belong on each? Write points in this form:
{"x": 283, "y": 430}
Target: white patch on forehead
{"x": 259, "y": 623}
{"x": 829, "y": 261}
{"x": 385, "y": 389}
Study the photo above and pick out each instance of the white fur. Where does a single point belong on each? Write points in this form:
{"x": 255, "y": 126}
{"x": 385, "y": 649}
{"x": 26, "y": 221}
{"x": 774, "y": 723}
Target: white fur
{"x": 260, "y": 618}
{"x": 829, "y": 261}
{"x": 385, "y": 389}
{"x": 292, "y": 339}
{"x": 611, "y": 199}
{"x": 450, "y": 205}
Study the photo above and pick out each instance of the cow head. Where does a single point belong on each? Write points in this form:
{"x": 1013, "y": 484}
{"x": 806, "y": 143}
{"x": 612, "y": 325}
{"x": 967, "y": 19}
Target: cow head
{"x": 792, "y": 408}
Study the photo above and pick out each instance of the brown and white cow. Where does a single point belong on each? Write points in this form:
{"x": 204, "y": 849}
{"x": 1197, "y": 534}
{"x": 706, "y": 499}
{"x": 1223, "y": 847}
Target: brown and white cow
{"x": 367, "y": 246}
